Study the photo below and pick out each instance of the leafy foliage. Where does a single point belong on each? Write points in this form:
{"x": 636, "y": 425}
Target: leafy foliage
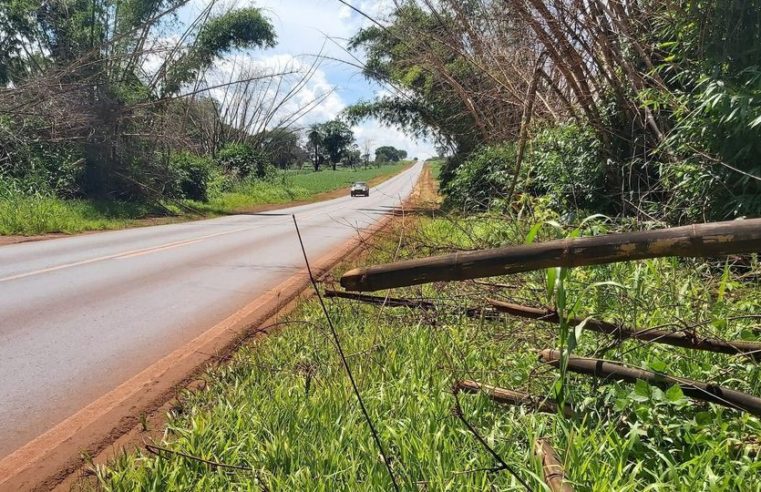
{"x": 388, "y": 153}
{"x": 243, "y": 160}
{"x": 330, "y": 141}
{"x": 243, "y": 28}
{"x": 483, "y": 179}
{"x": 192, "y": 176}
{"x": 566, "y": 164}
{"x": 85, "y": 59}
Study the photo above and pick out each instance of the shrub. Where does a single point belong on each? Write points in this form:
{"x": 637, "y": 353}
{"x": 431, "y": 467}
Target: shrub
{"x": 242, "y": 160}
{"x": 482, "y": 178}
{"x": 191, "y": 176}
{"x": 566, "y": 164}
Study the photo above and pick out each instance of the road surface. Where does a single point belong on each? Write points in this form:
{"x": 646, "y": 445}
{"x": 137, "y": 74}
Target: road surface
{"x": 80, "y": 315}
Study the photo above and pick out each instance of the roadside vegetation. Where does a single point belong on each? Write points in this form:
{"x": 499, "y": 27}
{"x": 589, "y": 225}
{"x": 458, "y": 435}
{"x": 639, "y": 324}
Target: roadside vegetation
{"x": 553, "y": 119}
{"x": 117, "y": 110}
{"x": 283, "y": 410}
{"x": 32, "y": 214}
{"x": 644, "y": 109}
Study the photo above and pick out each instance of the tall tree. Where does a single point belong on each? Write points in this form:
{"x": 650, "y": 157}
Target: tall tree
{"x": 90, "y": 55}
{"x": 388, "y": 153}
{"x": 330, "y": 141}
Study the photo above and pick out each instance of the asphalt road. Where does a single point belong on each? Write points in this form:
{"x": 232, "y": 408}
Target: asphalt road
{"x": 80, "y": 315}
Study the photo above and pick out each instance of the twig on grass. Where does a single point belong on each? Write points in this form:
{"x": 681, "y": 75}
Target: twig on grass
{"x": 162, "y": 452}
{"x": 457, "y": 410}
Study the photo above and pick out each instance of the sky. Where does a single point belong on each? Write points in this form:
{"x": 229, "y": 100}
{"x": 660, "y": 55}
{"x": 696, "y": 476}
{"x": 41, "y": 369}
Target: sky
{"x": 304, "y": 28}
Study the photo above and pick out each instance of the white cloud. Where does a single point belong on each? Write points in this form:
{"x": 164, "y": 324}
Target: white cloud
{"x": 306, "y": 28}
{"x": 373, "y": 135}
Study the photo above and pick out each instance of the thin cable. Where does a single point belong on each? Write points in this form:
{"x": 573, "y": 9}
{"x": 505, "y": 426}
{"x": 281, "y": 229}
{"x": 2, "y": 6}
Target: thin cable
{"x": 344, "y": 361}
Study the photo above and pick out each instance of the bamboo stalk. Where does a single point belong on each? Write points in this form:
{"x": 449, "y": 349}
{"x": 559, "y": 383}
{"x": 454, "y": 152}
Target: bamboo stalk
{"x": 552, "y": 468}
{"x": 677, "y": 339}
{"x": 694, "y": 389}
{"x": 705, "y": 240}
{"x": 509, "y": 397}
{"x": 380, "y": 300}
{"x": 472, "y": 312}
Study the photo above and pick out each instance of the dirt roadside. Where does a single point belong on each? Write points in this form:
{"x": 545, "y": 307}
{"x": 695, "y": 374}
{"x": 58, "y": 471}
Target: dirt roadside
{"x": 60, "y": 458}
{"x": 154, "y": 221}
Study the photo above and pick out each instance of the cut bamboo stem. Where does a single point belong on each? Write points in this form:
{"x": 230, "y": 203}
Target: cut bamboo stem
{"x": 705, "y": 240}
{"x": 552, "y": 468}
{"x": 380, "y": 300}
{"x": 694, "y": 389}
{"x": 509, "y": 397}
{"x": 677, "y": 339}
{"x": 409, "y": 303}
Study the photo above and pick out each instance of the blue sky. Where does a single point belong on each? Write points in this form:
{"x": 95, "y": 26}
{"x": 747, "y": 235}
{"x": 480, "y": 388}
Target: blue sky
{"x": 303, "y": 27}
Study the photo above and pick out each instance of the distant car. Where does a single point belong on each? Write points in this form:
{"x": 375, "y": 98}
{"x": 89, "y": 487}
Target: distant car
{"x": 360, "y": 188}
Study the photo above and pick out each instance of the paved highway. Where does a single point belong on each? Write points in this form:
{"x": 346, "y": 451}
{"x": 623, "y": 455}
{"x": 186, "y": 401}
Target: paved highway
{"x": 80, "y": 315}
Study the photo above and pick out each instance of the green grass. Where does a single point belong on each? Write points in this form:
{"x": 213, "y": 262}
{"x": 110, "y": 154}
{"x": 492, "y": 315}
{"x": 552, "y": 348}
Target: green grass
{"x": 290, "y": 186}
{"x": 34, "y": 215}
{"x": 329, "y": 180}
{"x": 436, "y": 165}
{"x": 29, "y": 216}
{"x": 284, "y": 406}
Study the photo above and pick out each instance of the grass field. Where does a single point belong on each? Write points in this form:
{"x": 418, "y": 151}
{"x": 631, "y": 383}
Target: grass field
{"x": 291, "y": 186}
{"x": 34, "y": 215}
{"x": 284, "y": 409}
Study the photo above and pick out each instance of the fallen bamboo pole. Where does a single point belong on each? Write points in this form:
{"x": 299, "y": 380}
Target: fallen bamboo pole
{"x": 552, "y": 468}
{"x": 509, "y": 397}
{"x": 476, "y": 312}
{"x": 380, "y": 300}
{"x": 694, "y": 389}
{"x": 677, "y": 339}
{"x": 704, "y": 240}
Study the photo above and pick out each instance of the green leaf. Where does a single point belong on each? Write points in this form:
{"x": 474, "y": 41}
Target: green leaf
{"x": 641, "y": 391}
{"x": 657, "y": 366}
{"x": 674, "y": 394}
{"x": 550, "y": 281}
{"x": 531, "y": 236}
{"x": 704, "y": 418}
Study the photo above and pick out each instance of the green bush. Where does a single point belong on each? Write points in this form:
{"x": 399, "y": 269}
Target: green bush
{"x": 481, "y": 179}
{"x": 565, "y": 163}
{"x": 39, "y": 168}
{"x": 191, "y": 176}
{"x": 718, "y": 136}
{"x": 242, "y": 160}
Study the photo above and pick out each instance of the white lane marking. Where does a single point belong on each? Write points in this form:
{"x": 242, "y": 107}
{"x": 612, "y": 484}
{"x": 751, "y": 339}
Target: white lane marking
{"x": 117, "y": 255}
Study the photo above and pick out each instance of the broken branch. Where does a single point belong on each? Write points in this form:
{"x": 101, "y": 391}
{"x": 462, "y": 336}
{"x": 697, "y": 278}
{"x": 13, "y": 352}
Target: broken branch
{"x": 694, "y": 389}
{"x": 677, "y": 339}
{"x": 509, "y": 397}
{"x": 552, "y": 468}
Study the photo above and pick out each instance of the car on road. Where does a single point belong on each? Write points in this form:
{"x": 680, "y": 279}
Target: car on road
{"x": 360, "y": 188}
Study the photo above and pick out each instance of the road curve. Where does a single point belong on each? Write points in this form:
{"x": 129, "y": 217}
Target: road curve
{"x": 81, "y": 315}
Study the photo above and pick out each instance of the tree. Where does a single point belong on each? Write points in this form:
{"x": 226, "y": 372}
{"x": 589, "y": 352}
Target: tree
{"x": 82, "y": 63}
{"x": 337, "y": 139}
{"x": 283, "y": 147}
{"x": 353, "y": 156}
{"x": 315, "y": 138}
{"x": 329, "y": 141}
{"x": 389, "y": 154}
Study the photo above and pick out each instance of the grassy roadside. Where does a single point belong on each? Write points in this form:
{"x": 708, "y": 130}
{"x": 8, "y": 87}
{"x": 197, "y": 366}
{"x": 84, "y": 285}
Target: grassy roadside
{"x": 284, "y": 408}
{"x": 31, "y": 215}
